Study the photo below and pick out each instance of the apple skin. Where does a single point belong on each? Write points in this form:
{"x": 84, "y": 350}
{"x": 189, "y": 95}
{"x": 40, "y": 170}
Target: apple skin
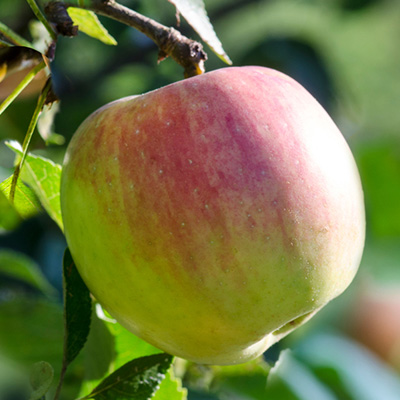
{"x": 213, "y": 216}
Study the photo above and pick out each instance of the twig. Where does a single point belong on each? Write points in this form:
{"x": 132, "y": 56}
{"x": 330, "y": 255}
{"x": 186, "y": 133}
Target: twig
{"x": 40, "y": 16}
{"x": 39, "y": 106}
{"x": 60, "y": 382}
{"x": 13, "y": 36}
{"x": 186, "y": 52}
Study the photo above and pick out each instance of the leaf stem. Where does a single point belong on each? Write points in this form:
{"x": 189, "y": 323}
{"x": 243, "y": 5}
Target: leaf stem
{"x": 186, "y": 52}
{"x": 41, "y": 17}
{"x": 21, "y": 86}
{"x": 13, "y": 36}
{"x": 61, "y": 381}
{"x": 31, "y": 128}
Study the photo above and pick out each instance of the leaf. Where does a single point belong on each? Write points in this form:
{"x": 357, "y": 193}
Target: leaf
{"x": 171, "y": 388}
{"x": 128, "y": 345}
{"x": 88, "y": 23}
{"x": 247, "y": 381}
{"x": 19, "y": 266}
{"x": 45, "y": 124}
{"x": 77, "y": 310}
{"x": 43, "y": 176}
{"x": 195, "y": 14}
{"x": 97, "y": 364}
{"x": 118, "y": 347}
{"x": 41, "y": 378}
{"x": 9, "y": 218}
{"x": 138, "y": 379}
{"x": 25, "y": 201}
{"x": 14, "y": 59}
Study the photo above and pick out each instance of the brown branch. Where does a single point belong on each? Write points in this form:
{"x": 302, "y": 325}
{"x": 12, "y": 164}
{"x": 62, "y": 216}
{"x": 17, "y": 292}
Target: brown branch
{"x": 186, "y": 52}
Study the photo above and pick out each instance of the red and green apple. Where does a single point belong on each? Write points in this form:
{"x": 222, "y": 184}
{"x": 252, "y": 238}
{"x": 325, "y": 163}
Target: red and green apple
{"x": 213, "y": 216}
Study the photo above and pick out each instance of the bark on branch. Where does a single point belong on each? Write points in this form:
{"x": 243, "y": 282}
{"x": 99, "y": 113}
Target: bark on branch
{"x": 186, "y": 52}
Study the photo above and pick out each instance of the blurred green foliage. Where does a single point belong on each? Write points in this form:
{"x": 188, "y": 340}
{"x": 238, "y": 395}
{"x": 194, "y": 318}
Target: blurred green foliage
{"x": 346, "y": 53}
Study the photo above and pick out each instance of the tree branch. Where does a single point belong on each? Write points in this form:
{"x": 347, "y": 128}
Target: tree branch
{"x": 186, "y": 52}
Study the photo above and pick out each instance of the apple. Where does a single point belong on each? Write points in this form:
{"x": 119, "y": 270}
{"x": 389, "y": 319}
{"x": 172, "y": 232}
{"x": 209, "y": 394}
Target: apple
{"x": 213, "y": 216}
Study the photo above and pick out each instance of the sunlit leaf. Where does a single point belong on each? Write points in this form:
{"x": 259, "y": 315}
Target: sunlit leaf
{"x": 171, "y": 388}
{"x": 118, "y": 345}
{"x": 88, "y": 23}
{"x": 128, "y": 345}
{"x": 19, "y": 266}
{"x": 248, "y": 380}
{"x": 43, "y": 176}
{"x": 25, "y": 202}
{"x": 138, "y": 379}
{"x": 9, "y": 218}
{"x": 98, "y": 364}
{"x": 195, "y": 14}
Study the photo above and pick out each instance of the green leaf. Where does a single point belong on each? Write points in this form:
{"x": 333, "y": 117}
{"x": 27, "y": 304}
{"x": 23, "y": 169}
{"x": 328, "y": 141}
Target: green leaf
{"x": 247, "y": 381}
{"x": 9, "y": 218}
{"x": 171, "y": 388}
{"x": 128, "y": 345}
{"x": 118, "y": 347}
{"x": 25, "y": 201}
{"x": 43, "y": 176}
{"x": 21, "y": 267}
{"x": 195, "y": 14}
{"x": 97, "y": 364}
{"x": 138, "y": 379}
{"x": 41, "y": 378}
{"x": 88, "y": 23}
{"x": 77, "y": 310}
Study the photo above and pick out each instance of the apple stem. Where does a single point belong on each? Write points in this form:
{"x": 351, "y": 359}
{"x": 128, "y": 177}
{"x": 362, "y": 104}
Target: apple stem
{"x": 186, "y": 52}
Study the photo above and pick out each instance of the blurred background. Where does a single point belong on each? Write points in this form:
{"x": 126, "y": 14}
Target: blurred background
{"x": 347, "y": 54}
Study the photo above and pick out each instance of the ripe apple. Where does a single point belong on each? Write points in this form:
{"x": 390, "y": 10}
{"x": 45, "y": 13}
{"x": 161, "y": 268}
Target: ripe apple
{"x": 213, "y": 216}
